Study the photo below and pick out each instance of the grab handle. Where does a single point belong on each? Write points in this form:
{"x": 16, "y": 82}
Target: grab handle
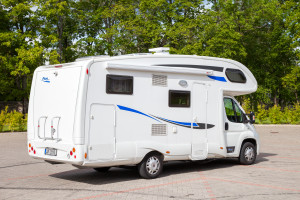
{"x": 52, "y": 128}
{"x": 39, "y": 126}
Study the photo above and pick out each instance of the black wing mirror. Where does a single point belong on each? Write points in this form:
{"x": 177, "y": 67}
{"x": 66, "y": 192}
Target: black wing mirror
{"x": 251, "y": 118}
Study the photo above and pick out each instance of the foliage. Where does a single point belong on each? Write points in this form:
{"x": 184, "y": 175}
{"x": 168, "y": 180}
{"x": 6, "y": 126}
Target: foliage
{"x": 20, "y": 51}
{"x": 262, "y": 114}
{"x": 3, "y": 117}
{"x": 15, "y": 121}
{"x": 275, "y": 115}
{"x": 247, "y": 105}
{"x": 292, "y": 82}
{"x": 294, "y": 114}
{"x": 263, "y": 35}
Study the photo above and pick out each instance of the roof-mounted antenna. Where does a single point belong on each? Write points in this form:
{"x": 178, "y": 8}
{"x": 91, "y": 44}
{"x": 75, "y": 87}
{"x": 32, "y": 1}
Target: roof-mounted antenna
{"x": 160, "y": 50}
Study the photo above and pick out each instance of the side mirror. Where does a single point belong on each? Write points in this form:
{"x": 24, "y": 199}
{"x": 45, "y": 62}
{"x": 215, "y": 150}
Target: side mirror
{"x": 251, "y": 118}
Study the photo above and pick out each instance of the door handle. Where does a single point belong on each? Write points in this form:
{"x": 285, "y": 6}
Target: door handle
{"x": 195, "y": 119}
{"x": 226, "y": 126}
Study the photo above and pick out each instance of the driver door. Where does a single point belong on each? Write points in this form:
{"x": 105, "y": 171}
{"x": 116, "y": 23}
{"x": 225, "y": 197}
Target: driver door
{"x": 234, "y": 126}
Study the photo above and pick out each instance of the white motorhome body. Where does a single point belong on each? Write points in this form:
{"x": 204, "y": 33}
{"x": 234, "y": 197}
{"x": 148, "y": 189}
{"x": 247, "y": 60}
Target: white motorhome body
{"x": 112, "y": 111}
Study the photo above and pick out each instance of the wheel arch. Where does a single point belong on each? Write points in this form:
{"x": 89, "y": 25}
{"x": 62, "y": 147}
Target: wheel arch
{"x": 251, "y": 140}
{"x": 154, "y": 152}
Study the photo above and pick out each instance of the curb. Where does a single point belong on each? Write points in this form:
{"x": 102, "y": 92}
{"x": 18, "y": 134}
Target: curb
{"x": 12, "y": 133}
{"x": 286, "y": 125}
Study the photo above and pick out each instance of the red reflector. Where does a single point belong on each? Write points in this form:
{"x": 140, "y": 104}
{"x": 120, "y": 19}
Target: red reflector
{"x": 75, "y": 156}
{"x": 58, "y": 66}
{"x": 34, "y": 151}
{"x": 31, "y": 148}
{"x": 87, "y": 71}
{"x": 71, "y": 153}
{"x": 29, "y": 151}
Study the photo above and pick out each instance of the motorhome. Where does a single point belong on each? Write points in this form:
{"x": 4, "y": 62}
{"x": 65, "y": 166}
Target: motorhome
{"x": 141, "y": 109}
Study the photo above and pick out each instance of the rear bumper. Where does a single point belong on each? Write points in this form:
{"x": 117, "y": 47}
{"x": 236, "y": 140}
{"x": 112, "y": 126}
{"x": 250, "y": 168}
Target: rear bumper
{"x": 65, "y": 153}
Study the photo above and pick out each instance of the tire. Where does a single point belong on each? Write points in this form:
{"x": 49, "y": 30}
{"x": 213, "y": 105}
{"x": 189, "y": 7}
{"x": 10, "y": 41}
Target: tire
{"x": 247, "y": 154}
{"x": 151, "y": 166}
{"x": 102, "y": 169}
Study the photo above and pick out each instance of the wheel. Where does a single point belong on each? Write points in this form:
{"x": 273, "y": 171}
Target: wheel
{"x": 102, "y": 169}
{"x": 151, "y": 166}
{"x": 247, "y": 154}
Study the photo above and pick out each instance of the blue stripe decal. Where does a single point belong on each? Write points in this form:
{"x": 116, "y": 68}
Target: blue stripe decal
{"x": 184, "y": 124}
{"x": 218, "y": 78}
{"x": 181, "y": 123}
{"x": 135, "y": 111}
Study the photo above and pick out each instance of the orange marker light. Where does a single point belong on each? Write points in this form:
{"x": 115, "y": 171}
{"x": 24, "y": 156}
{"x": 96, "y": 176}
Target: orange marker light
{"x": 85, "y": 155}
{"x": 167, "y": 151}
{"x": 73, "y": 149}
{"x": 29, "y": 145}
{"x": 221, "y": 147}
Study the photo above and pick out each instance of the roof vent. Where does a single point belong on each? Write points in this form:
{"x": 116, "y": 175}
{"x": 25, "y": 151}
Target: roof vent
{"x": 160, "y": 50}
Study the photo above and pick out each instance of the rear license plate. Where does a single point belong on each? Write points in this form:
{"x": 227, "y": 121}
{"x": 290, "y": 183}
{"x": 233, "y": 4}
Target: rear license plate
{"x": 50, "y": 152}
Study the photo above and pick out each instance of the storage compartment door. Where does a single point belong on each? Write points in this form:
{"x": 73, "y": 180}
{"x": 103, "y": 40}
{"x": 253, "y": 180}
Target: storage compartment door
{"x": 102, "y": 132}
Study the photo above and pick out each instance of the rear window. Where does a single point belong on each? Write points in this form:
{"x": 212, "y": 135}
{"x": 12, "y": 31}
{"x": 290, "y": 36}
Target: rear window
{"x": 235, "y": 75}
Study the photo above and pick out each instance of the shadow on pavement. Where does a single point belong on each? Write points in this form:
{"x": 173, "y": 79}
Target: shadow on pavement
{"x": 90, "y": 176}
{"x": 115, "y": 174}
{"x": 262, "y": 157}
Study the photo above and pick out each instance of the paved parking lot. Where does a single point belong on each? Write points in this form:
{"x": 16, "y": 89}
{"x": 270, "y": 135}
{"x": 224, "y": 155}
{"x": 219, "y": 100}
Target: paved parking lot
{"x": 276, "y": 175}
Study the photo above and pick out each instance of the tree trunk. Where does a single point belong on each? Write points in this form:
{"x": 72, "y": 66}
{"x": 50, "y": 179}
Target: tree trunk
{"x": 24, "y": 87}
{"x": 275, "y": 99}
{"x": 60, "y": 25}
{"x": 60, "y": 39}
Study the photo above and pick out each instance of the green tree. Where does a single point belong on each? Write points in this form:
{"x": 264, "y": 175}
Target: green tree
{"x": 20, "y": 50}
{"x": 57, "y": 28}
{"x": 255, "y": 33}
{"x": 292, "y": 82}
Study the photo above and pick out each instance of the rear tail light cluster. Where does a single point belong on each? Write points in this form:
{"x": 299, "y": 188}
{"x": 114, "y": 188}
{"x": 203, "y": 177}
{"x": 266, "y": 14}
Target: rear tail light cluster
{"x": 31, "y": 149}
{"x": 72, "y": 152}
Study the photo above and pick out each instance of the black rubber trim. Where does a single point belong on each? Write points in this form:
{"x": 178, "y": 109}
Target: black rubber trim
{"x": 214, "y": 68}
{"x": 200, "y": 125}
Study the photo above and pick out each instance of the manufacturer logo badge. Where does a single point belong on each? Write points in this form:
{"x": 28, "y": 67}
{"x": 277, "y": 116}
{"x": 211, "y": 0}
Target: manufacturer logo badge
{"x": 46, "y": 79}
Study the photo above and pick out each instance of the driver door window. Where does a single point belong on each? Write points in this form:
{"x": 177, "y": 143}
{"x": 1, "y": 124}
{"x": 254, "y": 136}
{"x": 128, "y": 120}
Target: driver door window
{"x": 239, "y": 113}
{"x": 233, "y": 112}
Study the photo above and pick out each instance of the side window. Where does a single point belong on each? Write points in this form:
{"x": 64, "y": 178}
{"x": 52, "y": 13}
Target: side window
{"x": 233, "y": 112}
{"x": 229, "y": 110}
{"x": 178, "y": 98}
{"x": 116, "y": 84}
